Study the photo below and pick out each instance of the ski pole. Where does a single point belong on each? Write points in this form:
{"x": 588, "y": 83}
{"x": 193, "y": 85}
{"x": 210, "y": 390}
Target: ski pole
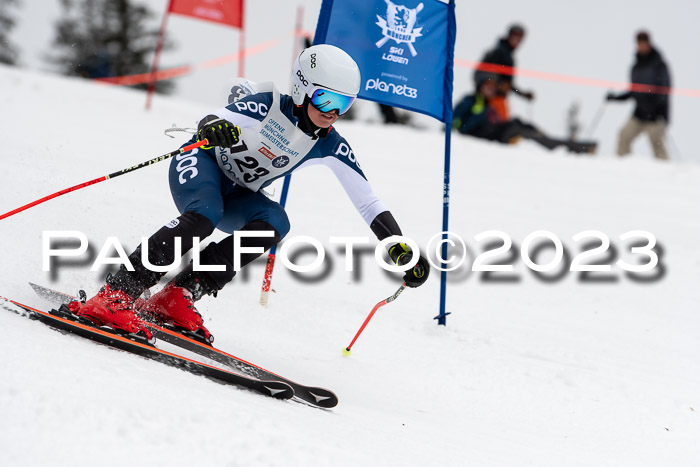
{"x": 106, "y": 177}
{"x": 596, "y": 120}
{"x": 270, "y": 266}
{"x": 674, "y": 145}
{"x": 347, "y": 350}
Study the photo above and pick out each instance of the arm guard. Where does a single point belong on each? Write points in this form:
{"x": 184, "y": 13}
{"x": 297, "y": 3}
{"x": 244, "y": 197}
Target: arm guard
{"x": 384, "y": 225}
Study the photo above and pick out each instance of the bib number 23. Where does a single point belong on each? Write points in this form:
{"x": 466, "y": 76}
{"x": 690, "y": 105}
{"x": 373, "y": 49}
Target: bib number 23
{"x": 248, "y": 166}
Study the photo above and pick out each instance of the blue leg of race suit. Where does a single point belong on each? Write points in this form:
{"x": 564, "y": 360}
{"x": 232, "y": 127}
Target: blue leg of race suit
{"x": 195, "y": 184}
{"x": 198, "y": 186}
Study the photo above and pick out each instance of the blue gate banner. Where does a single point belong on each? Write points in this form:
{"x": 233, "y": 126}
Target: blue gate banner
{"x": 404, "y": 49}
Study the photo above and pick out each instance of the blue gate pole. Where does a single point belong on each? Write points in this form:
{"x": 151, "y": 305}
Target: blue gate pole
{"x": 447, "y": 114}
{"x": 442, "y": 317}
{"x": 283, "y": 201}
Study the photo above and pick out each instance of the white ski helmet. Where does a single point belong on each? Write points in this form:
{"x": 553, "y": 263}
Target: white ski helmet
{"x": 328, "y": 76}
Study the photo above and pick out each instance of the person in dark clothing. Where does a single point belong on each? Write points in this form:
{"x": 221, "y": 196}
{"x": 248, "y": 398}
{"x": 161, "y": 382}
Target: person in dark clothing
{"x": 391, "y": 117}
{"x": 502, "y": 54}
{"x": 474, "y": 116}
{"x": 651, "y": 80}
{"x": 97, "y": 65}
{"x": 388, "y": 114}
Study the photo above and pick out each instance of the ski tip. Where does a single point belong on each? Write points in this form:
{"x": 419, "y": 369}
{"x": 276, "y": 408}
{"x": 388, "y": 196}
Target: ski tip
{"x": 278, "y": 389}
{"x": 322, "y": 397}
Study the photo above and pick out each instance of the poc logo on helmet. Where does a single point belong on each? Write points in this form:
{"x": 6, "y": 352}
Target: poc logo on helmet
{"x": 313, "y": 60}
{"x": 253, "y": 107}
{"x": 345, "y": 151}
{"x": 301, "y": 77}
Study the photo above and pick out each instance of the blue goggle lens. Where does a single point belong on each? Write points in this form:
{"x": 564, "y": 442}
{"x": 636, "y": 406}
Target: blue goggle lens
{"x": 324, "y": 100}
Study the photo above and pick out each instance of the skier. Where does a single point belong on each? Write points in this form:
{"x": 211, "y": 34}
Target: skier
{"x": 474, "y": 116}
{"x": 252, "y": 141}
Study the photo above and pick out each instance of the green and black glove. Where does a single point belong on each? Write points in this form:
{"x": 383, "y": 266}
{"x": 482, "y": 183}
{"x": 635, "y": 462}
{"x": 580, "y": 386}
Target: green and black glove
{"x": 401, "y": 254}
{"x": 218, "y": 132}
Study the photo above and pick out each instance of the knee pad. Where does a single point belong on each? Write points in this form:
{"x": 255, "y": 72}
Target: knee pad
{"x": 161, "y": 252}
{"x": 222, "y": 253}
{"x": 161, "y": 245}
{"x": 192, "y": 224}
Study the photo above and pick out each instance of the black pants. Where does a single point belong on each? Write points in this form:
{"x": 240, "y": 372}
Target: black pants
{"x": 506, "y": 132}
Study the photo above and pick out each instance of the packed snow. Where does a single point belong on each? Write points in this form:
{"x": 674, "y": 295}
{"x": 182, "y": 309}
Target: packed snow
{"x": 529, "y": 371}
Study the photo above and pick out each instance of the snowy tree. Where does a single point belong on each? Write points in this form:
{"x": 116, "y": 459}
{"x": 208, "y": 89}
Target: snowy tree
{"x": 8, "y": 52}
{"x": 103, "y": 38}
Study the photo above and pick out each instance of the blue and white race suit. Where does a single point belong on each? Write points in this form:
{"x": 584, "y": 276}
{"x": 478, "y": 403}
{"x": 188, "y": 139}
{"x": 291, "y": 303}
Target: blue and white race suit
{"x": 224, "y": 184}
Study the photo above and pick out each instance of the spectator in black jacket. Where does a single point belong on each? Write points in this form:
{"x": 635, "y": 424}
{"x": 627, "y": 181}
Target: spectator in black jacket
{"x": 502, "y": 54}
{"x": 651, "y": 113}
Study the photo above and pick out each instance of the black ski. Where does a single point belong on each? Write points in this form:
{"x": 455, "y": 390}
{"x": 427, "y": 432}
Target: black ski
{"x": 63, "y": 320}
{"x": 319, "y": 397}
{"x": 581, "y": 147}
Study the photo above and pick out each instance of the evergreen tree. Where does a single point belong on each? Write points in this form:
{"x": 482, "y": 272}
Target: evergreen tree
{"x": 8, "y": 52}
{"x": 103, "y": 38}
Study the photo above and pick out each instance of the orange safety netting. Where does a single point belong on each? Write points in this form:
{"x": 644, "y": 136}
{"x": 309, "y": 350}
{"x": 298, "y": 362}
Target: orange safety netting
{"x": 488, "y": 67}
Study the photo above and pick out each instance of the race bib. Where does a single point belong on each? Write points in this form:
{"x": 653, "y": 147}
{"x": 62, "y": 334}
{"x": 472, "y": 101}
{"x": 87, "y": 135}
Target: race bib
{"x": 265, "y": 151}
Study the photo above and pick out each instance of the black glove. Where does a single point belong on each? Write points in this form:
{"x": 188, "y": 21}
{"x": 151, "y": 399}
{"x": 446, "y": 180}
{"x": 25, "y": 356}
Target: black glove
{"x": 401, "y": 254}
{"x": 611, "y": 97}
{"x": 218, "y": 132}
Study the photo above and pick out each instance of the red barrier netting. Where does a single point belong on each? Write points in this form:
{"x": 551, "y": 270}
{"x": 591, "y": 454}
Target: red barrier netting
{"x": 488, "y": 67}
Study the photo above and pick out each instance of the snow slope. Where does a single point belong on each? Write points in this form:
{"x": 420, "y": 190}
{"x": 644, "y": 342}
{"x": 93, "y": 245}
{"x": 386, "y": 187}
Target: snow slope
{"x": 528, "y": 372}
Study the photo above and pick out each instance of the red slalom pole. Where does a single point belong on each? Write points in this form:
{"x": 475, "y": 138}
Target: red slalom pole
{"x": 156, "y": 57}
{"x": 267, "y": 279}
{"x": 347, "y": 350}
{"x": 270, "y": 266}
{"x": 106, "y": 177}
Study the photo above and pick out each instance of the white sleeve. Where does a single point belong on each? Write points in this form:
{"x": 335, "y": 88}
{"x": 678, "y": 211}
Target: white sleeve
{"x": 355, "y": 185}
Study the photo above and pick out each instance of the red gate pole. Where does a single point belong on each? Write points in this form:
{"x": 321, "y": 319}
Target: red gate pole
{"x": 156, "y": 58}
{"x": 241, "y": 43}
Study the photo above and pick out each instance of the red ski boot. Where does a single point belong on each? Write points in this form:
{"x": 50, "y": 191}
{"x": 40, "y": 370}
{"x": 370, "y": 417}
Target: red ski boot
{"x": 175, "y": 306}
{"x": 114, "y": 308}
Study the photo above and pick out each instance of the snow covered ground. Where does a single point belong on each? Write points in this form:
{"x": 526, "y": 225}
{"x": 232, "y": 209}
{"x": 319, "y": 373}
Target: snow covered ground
{"x": 563, "y": 371}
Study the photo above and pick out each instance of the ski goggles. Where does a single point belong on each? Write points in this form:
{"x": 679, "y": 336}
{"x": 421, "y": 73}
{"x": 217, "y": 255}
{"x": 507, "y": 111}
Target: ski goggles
{"x": 325, "y": 100}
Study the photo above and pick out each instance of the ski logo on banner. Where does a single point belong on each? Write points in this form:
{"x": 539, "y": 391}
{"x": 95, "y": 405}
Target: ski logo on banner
{"x": 399, "y": 25}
